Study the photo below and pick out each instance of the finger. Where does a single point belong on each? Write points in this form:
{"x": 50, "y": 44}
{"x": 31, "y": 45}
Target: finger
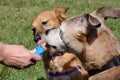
{"x": 33, "y": 51}
{"x": 30, "y": 64}
{"x": 25, "y": 64}
{"x": 36, "y": 57}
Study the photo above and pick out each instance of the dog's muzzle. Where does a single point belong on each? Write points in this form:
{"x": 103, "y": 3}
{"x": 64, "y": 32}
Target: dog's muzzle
{"x": 37, "y": 38}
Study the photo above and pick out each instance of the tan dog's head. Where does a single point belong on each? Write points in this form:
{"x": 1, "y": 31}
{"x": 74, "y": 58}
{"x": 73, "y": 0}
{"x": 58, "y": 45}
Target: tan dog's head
{"x": 47, "y": 20}
{"x": 76, "y": 31}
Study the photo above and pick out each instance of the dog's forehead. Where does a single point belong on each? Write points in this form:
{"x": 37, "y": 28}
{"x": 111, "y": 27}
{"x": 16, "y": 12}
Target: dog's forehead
{"x": 54, "y": 33}
{"x": 44, "y": 16}
{"x": 53, "y": 38}
{"x": 47, "y": 15}
{"x": 74, "y": 23}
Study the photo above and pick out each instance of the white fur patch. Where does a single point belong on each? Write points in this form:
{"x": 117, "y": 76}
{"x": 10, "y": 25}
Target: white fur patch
{"x": 54, "y": 39}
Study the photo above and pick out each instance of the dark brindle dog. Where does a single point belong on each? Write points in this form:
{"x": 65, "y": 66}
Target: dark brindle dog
{"x": 92, "y": 41}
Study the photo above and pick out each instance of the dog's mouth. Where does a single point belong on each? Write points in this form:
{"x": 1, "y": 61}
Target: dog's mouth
{"x": 45, "y": 45}
{"x": 37, "y": 37}
{"x": 41, "y": 41}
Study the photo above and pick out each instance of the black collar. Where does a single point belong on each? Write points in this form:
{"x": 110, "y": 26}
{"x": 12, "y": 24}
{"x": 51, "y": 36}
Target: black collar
{"x": 112, "y": 63}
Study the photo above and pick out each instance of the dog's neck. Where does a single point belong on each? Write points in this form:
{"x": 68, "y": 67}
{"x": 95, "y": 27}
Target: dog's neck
{"x": 103, "y": 49}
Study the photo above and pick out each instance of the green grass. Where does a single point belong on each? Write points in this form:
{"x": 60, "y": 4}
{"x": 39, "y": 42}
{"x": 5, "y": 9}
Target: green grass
{"x": 15, "y": 25}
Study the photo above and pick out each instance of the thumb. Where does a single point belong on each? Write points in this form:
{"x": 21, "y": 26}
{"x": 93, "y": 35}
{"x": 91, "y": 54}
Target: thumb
{"x": 36, "y": 57}
{"x": 33, "y": 51}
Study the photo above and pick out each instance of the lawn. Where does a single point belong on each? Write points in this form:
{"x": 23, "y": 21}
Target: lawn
{"x": 15, "y": 25}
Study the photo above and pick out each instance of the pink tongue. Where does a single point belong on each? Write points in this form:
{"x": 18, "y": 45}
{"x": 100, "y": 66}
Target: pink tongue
{"x": 41, "y": 41}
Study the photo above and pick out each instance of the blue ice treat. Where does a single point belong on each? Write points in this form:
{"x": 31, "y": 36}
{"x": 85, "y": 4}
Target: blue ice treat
{"x": 39, "y": 50}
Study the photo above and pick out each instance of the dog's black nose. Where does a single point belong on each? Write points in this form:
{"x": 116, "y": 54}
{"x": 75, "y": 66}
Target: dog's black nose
{"x": 37, "y": 38}
{"x": 47, "y": 31}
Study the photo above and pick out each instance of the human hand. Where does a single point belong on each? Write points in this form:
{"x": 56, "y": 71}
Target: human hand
{"x": 18, "y": 56}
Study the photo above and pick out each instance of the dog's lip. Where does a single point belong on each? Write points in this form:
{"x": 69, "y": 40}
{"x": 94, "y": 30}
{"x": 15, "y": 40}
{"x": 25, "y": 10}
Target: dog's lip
{"x": 41, "y": 41}
{"x": 47, "y": 45}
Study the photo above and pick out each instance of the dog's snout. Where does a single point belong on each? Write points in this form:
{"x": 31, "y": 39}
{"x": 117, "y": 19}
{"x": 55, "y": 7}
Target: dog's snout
{"x": 37, "y": 38}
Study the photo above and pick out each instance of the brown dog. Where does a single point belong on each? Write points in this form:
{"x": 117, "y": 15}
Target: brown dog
{"x": 73, "y": 70}
{"x": 47, "y": 20}
{"x": 69, "y": 66}
{"x": 88, "y": 37}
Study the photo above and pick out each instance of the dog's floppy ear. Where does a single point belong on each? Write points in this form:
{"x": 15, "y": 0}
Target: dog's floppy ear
{"x": 91, "y": 29}
{"x": 60, "y": 12}
{"x": 92, "y": 21}
{"x": 108, "y": 12}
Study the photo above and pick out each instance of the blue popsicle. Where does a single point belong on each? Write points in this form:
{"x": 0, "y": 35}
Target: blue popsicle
{"x": 39, "y": 50}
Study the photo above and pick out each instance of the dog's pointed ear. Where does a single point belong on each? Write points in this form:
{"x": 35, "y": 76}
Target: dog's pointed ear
{"x": 61, "y": 13}
{"x": 108, "y": 12}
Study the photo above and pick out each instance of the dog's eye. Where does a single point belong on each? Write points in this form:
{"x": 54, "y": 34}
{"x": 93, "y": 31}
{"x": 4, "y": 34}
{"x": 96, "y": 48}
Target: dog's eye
{"x": 54, "y": 47}
{"x": 44, "y": 22}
